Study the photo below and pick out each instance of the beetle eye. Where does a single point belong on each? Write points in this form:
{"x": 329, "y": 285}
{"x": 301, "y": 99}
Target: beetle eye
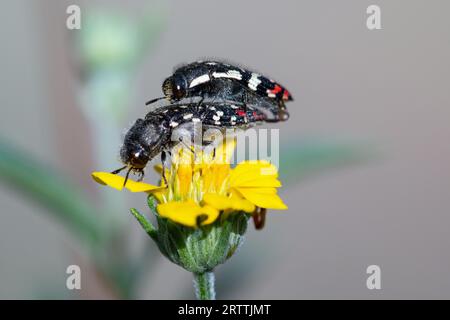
{"x": 174, "y": 88}
{"x": 179, "y": 92}
{"x": 139, "y": 159}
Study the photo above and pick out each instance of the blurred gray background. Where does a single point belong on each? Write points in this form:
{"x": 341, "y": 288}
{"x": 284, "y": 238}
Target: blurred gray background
{"x": 385, "y": 89}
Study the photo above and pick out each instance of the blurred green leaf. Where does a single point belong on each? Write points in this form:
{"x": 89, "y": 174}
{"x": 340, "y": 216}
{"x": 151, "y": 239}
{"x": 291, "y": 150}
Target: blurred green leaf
{"x": 49, "y": 188}
{"x": 299, "y": 159}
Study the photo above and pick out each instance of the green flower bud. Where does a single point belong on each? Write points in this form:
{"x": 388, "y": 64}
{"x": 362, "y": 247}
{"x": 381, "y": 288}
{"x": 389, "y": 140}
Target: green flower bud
{"x": 197, "y": 250}
{"x": 201, "y": 250}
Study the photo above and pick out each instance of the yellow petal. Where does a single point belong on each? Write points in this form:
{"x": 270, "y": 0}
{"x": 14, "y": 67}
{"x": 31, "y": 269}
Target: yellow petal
{"x": 214, "y": 177}
{"x": 212, "y": 214}
{"x": 268, "y": 168}
{"x": 134, "y": 186}
{"x": 256, "y": 182}
{"x": 259, "y": 168}
{"x": 221, "y": 202}
{"x": 262, "y": 199}
{"x": 262, "y": 190}
{"x": 108, "y": 179}
{"x": 115, "y": 181}
{"x": 254, "y": 174}
{"x": 184, "y": 179}
{"x": 187, "y": 213}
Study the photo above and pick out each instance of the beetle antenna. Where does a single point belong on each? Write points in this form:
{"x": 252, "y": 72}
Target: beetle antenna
{"x": 154, "y": 100}
{"x": 118, "y": 170}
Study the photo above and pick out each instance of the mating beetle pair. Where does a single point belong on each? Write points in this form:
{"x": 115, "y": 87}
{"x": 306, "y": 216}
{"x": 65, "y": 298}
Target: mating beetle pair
{"x": 235, "y": 98}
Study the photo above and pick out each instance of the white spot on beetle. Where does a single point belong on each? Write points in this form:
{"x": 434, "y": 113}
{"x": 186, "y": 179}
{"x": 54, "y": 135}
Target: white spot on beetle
{"x": 254, "y": 81}
{"x": 235, "y": 74}
{"x": 188, "y": 116}
{"x": 219, "y": 113}
{"x": 173, "y": 124}
{"x": 230, "y": 74}
{"x": 216, "y": 117}
{"x": 220, "y": 75}
{"x": 199, "y": 80}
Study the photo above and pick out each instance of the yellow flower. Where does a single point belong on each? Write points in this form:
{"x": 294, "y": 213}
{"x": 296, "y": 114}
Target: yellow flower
{"x": 202, "y": 185}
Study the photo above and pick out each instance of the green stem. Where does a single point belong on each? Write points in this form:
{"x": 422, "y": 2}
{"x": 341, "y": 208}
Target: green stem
{"x": 204, "y": 286}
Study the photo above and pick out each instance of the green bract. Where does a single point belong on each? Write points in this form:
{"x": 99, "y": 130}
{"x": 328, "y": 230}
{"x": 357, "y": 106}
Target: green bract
{"x": 197, "y": 250}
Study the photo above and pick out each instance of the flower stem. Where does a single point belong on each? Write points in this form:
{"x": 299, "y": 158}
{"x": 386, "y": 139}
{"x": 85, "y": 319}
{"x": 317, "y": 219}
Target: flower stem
{"x": 204, "y": 286}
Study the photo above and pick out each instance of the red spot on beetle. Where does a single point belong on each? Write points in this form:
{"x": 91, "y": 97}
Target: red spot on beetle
{"x": 286, "y": 95}
{"x": 276, "y": 89}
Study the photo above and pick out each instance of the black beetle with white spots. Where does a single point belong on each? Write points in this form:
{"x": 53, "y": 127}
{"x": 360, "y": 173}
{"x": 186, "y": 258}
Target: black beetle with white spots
{"x": 222, "y": 81}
